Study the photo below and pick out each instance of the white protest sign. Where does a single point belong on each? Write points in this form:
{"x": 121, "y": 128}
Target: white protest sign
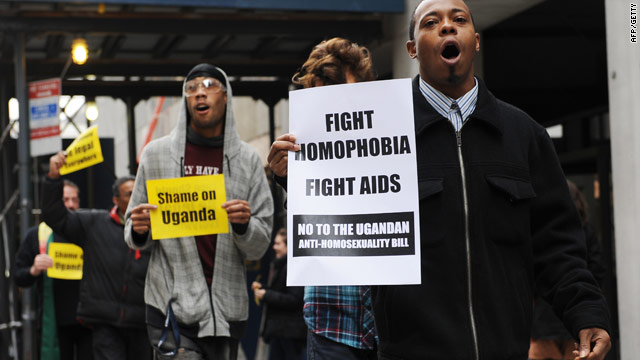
{"x": 353, "y": 187}
{"x": 44, "y": 123}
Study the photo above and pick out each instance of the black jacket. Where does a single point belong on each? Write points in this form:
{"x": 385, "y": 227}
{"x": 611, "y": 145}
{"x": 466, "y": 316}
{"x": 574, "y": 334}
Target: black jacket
{"x": 546, "y": 324}
{"x": 112, "y": 287}
{"x": 283, "y": 312}
{"x": 523, "y": 231}
{"x": 65, "y": 292}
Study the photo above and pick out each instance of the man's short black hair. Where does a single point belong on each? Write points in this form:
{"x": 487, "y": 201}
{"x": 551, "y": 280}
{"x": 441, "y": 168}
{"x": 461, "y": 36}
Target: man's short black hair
{"x": 412, "y": 22}
{"x": 119, "y": 181}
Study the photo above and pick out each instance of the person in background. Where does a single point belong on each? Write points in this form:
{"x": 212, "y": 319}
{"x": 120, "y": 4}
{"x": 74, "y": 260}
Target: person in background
{"x": 283, "y": 325}
{"x": 57, "y": 298}
{"x": 339, "y": 318}
{"x": 550, "y": 339}
{"x": 111, "y": 290}
{"x": 200, "y": 282}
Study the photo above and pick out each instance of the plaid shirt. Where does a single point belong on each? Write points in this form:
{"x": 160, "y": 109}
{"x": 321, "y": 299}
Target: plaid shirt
{"x": 341, "y": 313}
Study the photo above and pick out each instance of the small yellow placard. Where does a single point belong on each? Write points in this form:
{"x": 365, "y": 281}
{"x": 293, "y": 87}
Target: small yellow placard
{"x": 44, "y": 231}
{"x": 67, "y": 261}
{"x": 83, "y": 152}
{"x": 187, "y": 206}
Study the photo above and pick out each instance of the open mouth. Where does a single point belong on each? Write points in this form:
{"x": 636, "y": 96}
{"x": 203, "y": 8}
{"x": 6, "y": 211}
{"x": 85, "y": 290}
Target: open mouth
{"x": 450, "y": 51}
{"x": 202, "y": 107}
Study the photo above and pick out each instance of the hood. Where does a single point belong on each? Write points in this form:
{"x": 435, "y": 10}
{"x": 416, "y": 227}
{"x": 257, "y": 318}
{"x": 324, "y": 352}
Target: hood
{"x": 231, "y": 138}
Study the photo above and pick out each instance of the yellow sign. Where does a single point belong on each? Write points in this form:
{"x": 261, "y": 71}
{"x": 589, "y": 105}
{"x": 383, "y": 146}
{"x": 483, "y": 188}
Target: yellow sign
{"x": 187, "y": 206}
{"x": 83, "y": 152}
{"x": 44, "y": 231}
{"x": 67, "y": 261}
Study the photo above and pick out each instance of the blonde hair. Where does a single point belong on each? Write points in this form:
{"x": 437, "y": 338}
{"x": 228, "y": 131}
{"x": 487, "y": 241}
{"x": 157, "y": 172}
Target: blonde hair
{"x": 329, "y": 62}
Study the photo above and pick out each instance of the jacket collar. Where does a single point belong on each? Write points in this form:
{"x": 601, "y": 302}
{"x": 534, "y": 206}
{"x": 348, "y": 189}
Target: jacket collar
{"x": 115, "y": 215}
{"x": 486, "y": 108}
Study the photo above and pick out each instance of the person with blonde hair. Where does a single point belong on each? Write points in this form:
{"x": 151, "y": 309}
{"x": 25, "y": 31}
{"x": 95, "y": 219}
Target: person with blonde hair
{"x": 339, "y": 318}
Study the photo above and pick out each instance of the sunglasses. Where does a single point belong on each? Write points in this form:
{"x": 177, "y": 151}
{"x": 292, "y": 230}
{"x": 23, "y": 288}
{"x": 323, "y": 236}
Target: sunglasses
{"x": 209, "y": 85}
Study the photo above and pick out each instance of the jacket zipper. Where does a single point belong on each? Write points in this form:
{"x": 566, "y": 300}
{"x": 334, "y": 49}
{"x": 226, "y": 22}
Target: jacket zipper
{"x": 228, "y": 165}
{"x": 474, "y": 331}
{"x": 213, "y": 313}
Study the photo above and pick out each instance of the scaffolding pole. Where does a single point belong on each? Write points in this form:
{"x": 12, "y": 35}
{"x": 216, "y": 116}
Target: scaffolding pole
{"x": 23, "y": 178}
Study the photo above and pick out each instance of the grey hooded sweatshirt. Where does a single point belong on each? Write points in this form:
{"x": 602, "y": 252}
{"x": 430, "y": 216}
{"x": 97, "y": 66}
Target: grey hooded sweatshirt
{"x": 175, "y": 272}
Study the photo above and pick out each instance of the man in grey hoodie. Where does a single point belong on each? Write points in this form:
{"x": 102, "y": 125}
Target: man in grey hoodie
{"x": 195, "y": 291}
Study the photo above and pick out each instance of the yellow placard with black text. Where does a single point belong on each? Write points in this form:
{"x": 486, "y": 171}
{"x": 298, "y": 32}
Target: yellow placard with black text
{"x": 83, "y": 152}
{"x": 67, "y": 261}
{"x": 187, "y": 206}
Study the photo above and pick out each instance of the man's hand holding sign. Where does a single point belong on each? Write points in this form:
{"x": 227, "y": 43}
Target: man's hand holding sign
{"x": 188, "y": 206}
{"x": 279, "y": 154}
{"x": 238, "y": 211}
{"x": 40, "y": 263}
{"x": 84, "y": 151}
{"x": 55, "y": 163}
{"x": 352, "y": 185}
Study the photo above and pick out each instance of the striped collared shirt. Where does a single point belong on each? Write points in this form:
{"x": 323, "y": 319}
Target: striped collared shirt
{"x": 446, "y": 106}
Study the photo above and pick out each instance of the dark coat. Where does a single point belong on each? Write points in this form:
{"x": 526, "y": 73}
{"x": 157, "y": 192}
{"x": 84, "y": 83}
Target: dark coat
{"x": 546, "y": 324}
{"x": 112, "y": 287}
{"x": 481, "y": 259}
{"x": 284, "y": 304}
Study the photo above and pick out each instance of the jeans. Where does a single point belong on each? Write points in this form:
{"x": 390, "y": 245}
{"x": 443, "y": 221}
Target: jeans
{"x": 209, "y": 348}
{"x": 75, "y": 342}
{"x": 287, "y": 349}
{"x": 115, "y": 343}
{"x": 321, "y": 348}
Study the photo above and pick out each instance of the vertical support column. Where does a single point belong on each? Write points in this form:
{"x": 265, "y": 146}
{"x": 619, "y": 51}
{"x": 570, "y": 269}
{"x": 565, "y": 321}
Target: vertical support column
{"x": 7, "y": 289}
{"x": 90, "y": 195}
{"x": 272, "y": 120}
{"x": 23, "y": 177}
{"x": 5, "y": 191}
{"x": 609, "y": 284}
{"x": 131, "y": 127}
{"x": 623, "y": 61}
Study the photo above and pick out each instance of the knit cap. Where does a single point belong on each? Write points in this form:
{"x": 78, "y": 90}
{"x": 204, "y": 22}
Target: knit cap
{"x": 207, "y": 70}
